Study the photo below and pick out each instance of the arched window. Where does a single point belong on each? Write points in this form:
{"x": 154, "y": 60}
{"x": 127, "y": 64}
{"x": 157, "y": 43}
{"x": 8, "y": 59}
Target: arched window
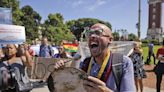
{"x": 154, "y": 17}
{"x": 153, "y": 25}
{"x": 154, "y": 10}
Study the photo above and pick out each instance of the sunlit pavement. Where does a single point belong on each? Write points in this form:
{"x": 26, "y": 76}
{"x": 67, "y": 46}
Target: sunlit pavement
{"x": 45, "y": 89}
{"x": 146, "y": 89}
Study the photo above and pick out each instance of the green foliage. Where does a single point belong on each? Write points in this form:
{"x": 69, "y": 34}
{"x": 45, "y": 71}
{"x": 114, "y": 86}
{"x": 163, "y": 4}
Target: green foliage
{"x": 132, "y": 37}
{"x": 55, "y": 29}
{"x": 14, "y": 4}
{"x": 78, "y": 26}
{"x": 116, "y": 36}
{"x": 155, "y": 42}
{"x": 55, "y": 20}
{"x": 145, "y": 42}
{"x": 28, "y": 41}
{"x": 17, "y": 14}
{"x": 123, "y": 34}
{"x": 31, "y": 20}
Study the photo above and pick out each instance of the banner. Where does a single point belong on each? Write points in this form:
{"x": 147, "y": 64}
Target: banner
{"x": 12, "y": 34}
{"x": 5, "y": 16}
{"x": 70, "y": 47}
{"x": 44, "y": 66}
{"x": 123, "y": 47}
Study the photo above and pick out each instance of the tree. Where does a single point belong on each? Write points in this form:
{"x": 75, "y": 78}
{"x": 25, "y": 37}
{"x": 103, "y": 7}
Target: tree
{"x": 31, "y": 20}
{"x": 78, "y": 26}
{"x": 123, "y": 34}
{"x": 55, "y": 20}
{"x": 55, "y": 29}
{"x": 116, "y": 35}
{"x": 132, "y": 37}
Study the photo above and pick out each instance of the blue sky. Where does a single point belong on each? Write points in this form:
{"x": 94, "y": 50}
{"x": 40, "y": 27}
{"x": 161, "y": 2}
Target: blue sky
{"x": 122, "y": 14}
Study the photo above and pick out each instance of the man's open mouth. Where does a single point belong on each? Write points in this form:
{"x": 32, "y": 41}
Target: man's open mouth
{"x": 94, "y": 45}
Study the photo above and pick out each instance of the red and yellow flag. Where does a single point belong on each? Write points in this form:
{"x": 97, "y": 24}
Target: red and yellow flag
{"x": 70, "y": 47}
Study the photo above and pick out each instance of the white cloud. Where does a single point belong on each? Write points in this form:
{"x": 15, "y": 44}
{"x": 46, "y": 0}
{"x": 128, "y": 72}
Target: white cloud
{"x": 97, "y": 4}
{"x": 77, "y": 3}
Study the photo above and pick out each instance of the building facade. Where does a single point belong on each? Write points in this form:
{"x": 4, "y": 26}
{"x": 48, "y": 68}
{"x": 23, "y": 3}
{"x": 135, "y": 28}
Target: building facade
{"x": 155, "y": 31}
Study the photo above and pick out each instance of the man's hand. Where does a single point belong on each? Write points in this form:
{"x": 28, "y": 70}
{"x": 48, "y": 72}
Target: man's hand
{"x": 92, "y": 84}
{"x": 59, "y": 64}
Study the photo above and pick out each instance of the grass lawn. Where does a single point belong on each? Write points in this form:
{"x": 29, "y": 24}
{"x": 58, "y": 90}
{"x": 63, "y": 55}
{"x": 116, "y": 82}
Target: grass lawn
{"x": 145, "y": 53}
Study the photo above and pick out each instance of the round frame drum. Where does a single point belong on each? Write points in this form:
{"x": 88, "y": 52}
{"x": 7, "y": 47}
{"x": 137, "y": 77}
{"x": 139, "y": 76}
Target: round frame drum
{"x": 68, "y": 79}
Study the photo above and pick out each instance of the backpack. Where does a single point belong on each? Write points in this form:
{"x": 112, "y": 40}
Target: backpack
{"x": 50, "y": 50}
{"x": 117, "y": 60}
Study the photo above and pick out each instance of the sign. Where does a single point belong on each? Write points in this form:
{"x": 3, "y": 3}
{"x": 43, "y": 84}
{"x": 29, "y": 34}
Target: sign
{"x": 5, "y": 16}
{"x": 12, "y": 34}
{"x": 123, "y": 47}
{"x": 44, "y": 66}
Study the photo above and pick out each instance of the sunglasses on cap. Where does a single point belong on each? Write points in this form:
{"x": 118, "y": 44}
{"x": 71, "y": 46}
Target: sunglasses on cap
{"x": 95, "y": 32}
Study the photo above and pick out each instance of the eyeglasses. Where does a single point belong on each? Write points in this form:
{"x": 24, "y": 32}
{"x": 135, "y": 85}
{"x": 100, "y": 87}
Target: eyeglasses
{"x": 98, "y": 33}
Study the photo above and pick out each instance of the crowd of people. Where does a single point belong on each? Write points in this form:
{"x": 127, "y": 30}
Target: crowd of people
{"x": 108, "y": 71}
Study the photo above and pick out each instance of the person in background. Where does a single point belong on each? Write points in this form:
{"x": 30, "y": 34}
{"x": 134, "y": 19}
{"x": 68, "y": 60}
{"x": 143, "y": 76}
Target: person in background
{"x": 159, "y": 71}
{"x": 61, "y": 54}
{"x": 31, "y": 51}
{"x": 138, "y": 64}
{"x": 150, "y": 53}
{"x": 24, "y": 54}
{"x": 1, "y": 54}
{"x": 45, "y": 49}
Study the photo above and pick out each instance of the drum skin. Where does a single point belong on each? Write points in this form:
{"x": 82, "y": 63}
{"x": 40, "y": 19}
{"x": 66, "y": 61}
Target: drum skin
{"x": 69, "y": 79}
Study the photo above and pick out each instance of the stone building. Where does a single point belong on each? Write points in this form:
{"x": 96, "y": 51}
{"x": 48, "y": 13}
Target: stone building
{"x": 155, "y": 31}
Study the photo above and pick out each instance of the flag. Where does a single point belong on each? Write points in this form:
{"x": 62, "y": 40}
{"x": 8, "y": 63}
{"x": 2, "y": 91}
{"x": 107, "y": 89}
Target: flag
{"x": 70, "y": 47}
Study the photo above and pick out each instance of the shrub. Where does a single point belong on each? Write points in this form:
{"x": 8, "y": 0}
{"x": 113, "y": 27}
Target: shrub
{"x": 155, "y": 42}
{"x": 145, "y": 43}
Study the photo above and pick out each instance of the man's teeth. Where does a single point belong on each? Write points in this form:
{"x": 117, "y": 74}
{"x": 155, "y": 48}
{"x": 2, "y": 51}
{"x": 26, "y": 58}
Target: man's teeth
{"x": 93, "y": 43}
